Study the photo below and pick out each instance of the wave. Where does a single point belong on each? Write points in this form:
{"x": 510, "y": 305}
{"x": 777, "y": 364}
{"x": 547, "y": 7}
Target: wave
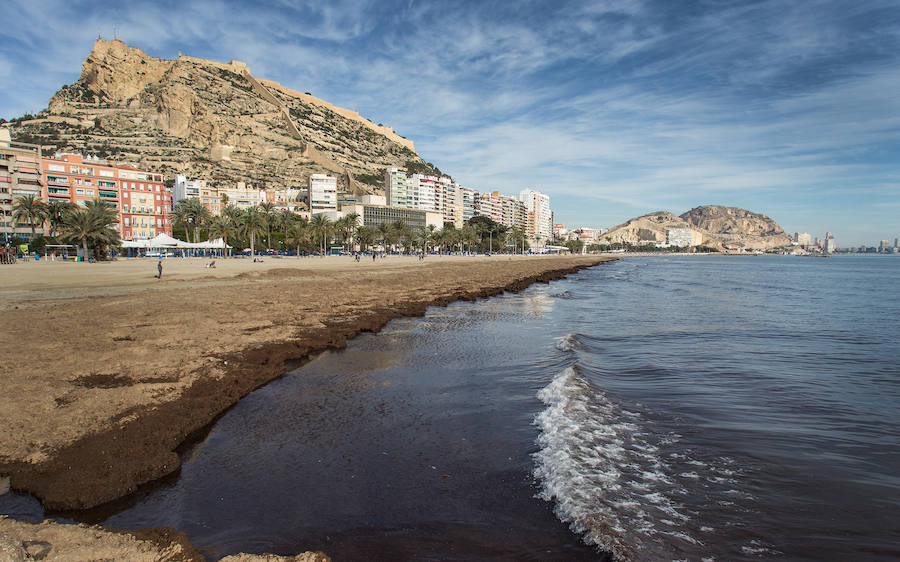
{"x": 606, "y": 479}
{"x": 568, "y": 342}
{"x": 563, "y": 295}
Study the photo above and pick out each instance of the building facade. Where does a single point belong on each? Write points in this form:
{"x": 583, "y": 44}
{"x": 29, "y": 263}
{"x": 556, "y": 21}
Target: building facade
{"x": 322, "y": 194}
{"x": 540, "y": 219}
{"x": 20, "y": 175}
{"x": 139, "y": 197}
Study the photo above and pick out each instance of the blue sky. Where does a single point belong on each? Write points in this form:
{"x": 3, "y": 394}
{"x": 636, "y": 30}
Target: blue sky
{"x": 614, "y": 108}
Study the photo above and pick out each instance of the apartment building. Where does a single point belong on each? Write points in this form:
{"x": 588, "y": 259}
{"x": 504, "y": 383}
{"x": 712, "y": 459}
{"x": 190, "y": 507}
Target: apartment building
{"x": 20, "y": 175}
{"x": 139, "y": 197}
{"x": 322, "y": 194}
{"x": 540, "y": 219}
{"x": 396, "y": 189}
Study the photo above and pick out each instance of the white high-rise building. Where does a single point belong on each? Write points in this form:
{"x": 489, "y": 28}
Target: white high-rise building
{"x": 424, "y": 190}
{"x": 540, "y": 219}
{"x": 186, "y": 189}
{"x": 322, "y": 193}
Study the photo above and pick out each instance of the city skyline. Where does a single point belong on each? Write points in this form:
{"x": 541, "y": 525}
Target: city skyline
{"x": 614, "y": 110}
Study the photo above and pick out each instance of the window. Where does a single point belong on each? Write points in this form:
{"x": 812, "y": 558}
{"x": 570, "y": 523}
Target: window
{"x": 157, "y": 197}
{"x": 56, "y": 168}
{"x": 107, "y": 173}
{"x": 104, "y": 183}
{"x": 79, "y": 192}
{"x": 89, "y": 192}
{"x": 58, "y": 179}
{"x": 126, "y": 221}
{"x": 125, "y": 195}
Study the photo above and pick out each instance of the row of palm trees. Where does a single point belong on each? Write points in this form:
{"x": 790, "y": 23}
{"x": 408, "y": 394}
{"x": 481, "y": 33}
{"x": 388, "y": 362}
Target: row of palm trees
{"x": 245, "y": 226}
{"x": 93, "y": 226}
{"x": 90, "y": 226}
{"x": 255, "y": 224}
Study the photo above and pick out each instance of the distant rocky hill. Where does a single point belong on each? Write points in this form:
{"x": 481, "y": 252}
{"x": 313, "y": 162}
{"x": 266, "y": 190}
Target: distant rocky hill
{"x": 212, "y": 121}
{"x": 719, "y": 227}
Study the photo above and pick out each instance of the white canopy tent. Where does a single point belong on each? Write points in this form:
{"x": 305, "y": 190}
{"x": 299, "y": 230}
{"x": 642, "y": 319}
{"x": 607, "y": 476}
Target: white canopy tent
{"x": 164, "y": 242}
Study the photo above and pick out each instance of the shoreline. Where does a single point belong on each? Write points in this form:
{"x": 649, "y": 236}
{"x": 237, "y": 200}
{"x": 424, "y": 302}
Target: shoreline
{"x": 136, "y": 445}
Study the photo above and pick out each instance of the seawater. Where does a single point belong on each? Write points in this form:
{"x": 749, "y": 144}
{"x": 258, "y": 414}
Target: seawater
{"x": 696, "y": 408}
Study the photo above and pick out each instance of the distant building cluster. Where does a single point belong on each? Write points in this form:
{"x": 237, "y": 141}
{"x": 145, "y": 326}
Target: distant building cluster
{"x": 529, "y": 212}
{"x": 806, "y": 243}
{"x": 585, "y": 234}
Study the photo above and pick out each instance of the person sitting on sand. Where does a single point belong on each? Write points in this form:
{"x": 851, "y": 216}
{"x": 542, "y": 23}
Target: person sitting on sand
{"x": 211, "y": 265}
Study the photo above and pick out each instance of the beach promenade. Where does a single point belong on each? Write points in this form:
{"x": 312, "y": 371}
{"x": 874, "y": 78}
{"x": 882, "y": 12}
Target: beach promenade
{"x": 108, "y": 368}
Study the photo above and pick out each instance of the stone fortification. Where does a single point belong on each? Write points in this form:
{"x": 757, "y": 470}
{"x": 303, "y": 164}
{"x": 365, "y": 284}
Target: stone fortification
{"x": 210, "y": 120}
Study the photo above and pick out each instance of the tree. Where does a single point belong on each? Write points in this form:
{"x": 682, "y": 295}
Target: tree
{"x": 298, "y": 233}
{"x": 56, "y": 210}
{"x": 223, "y": 227}
{"x": 321, "y": 226}
{"x": 384, "y": 235}
{"x": 91, "y": 226}
{"x": 251, "y": 221}
{"x": 351, "y": 225}
{"x": 30, "y": 210}
{"x": 190, "y": 214}
{"x": 267, "y": 210}
{"x": 366, "y": 236}
{"x": 284, "y": 220}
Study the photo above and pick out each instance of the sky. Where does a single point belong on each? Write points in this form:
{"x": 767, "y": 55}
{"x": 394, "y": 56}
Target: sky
{"x": 614, "y": 109}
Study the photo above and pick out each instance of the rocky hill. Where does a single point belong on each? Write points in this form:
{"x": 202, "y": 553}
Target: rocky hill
{"x": 210, "y": 120}
{"x": 737, "y": 228}
{"x": 720, "y": 227}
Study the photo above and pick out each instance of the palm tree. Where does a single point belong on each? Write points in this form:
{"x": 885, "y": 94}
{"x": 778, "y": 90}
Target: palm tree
{"x": 365, "y": 236}
{"x": 56, "y": 210}
{"x": 267, "y": 210}
{"x": 30, "y": 210}
{"x": 384, "y": 234}
{"x": 92, "y": 225}
{"x": 351, "y": 226}
{"x": 223, "y": 227}
{"x": 191, "y": 215}
{"x": 180, "y": 217}
{"x": 298, "y": 233}
{"x": 285, "y": 219}
{"x": 321, "y": 226}
{"x": 251, "y": 221}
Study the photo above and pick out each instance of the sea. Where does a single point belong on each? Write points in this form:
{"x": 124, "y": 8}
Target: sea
{"x": 652, "y": 408}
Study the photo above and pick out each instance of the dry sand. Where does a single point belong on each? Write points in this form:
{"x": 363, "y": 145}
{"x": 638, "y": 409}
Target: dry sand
{"x": 107, "y": 369}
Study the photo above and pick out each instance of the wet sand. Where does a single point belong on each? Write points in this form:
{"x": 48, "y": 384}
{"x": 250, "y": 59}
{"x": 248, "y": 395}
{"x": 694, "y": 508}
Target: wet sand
{"x": 110, "y": 369}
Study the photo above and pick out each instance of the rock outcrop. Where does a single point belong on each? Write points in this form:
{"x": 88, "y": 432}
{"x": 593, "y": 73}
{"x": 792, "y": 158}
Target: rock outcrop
{"x": 737, "y": 228}
{"x": 727, "y": 228}
{"x": 211, "y": 120}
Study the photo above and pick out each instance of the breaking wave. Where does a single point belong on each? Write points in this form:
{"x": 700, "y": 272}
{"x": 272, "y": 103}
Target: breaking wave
{"x": 602, "y": 472}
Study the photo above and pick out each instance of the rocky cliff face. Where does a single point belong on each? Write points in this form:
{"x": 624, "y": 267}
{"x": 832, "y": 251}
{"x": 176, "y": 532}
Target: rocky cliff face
{"x": 719, "y": 227}
{"x": 738, "y": 228}
{"x": 212, "y": 121}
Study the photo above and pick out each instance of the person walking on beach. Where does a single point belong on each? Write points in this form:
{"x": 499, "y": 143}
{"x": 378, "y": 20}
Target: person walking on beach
{"x": 159, "y": 269}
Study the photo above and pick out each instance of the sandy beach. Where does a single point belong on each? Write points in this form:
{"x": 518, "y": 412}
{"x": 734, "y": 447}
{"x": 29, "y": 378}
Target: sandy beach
{"x": 111, "y": 368}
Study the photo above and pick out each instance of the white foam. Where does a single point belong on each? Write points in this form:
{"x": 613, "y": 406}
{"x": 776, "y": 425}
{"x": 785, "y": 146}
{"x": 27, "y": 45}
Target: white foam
{"x": 567, "y": 343}
{"x": 605, "y": 479}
